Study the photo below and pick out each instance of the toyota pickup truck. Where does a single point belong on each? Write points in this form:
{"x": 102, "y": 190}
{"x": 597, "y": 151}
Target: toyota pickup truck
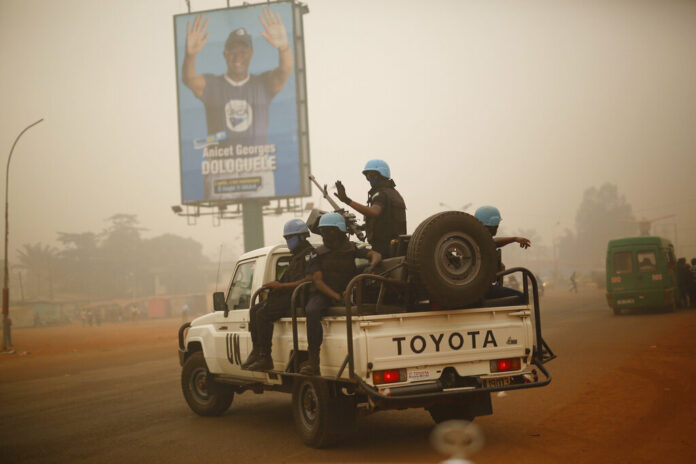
{"x": 401, "y": 339}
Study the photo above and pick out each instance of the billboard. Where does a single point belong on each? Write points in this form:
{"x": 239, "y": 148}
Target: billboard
{"x": 242, "y": 104}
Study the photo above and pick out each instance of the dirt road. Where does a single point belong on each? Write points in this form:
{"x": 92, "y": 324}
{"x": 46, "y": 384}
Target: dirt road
{"x": 622, "y": 391}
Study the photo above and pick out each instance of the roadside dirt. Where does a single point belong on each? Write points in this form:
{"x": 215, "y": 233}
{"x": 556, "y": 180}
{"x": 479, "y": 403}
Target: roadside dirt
{"x": 643, "y": 411}
{"x": 46, "y": 351}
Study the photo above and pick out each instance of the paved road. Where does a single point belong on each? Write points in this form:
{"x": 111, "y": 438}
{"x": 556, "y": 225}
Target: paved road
{"x": 621, "y": 393}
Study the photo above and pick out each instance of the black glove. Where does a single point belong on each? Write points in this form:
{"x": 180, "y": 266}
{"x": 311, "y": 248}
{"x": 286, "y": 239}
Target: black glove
{"x": 341, "y": 193}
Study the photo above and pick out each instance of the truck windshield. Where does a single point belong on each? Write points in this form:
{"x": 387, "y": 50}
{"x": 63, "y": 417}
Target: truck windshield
{"x": 623, "y": 262}
{"x": 647, "y": 262}
{"x": 240, "y": 290}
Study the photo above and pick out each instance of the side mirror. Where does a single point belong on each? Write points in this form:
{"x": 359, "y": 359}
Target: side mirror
{"x": 219, "y": 303}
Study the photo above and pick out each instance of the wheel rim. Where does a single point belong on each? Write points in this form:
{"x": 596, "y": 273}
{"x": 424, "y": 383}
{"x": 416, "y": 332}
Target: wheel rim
{"x": 457, "y": 259}
{"x": 198, "y": 385}
{"x": 309, "y": 405}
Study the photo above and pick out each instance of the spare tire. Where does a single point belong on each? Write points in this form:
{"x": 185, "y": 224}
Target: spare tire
{"x": 452, "y": 256}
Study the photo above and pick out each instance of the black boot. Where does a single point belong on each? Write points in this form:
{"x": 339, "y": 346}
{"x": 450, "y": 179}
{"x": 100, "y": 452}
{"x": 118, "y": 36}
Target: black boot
{"x": 311, "y": 365}
{"x": 263, "y": 363}
{"x": 252, "y": 358}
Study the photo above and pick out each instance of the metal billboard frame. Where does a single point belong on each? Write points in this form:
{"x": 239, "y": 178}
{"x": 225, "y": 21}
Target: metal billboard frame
{"x": 299, "y": 64}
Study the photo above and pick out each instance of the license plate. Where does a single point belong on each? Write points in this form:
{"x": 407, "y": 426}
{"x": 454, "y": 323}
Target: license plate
{"x": 419, "y": 374}
{"x": 626, "y": 301}
{"x": 497, "y": 382}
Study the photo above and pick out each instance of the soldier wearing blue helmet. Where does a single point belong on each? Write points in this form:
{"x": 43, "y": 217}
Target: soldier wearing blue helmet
{"x": 385, "y": 212}
{"x": 332, "y": 267}
{"x": 277, "y": 305}
{"x": 490, "y": 217}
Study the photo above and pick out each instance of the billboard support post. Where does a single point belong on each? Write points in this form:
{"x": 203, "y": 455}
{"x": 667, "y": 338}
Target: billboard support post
{"x": 252, "y": 224}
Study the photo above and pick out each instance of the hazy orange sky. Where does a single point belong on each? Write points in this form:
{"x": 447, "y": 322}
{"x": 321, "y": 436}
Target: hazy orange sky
{"x": 522, "y": 105}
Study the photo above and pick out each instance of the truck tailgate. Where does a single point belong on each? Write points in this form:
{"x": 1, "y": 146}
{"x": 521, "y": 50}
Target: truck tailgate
{"x": 465, "y": 339}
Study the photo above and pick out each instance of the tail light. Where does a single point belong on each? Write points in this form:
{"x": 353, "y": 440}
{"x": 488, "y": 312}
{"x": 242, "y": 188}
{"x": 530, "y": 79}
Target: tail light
{"x": 504, "y": 365}
{"x": 389, "y": 376}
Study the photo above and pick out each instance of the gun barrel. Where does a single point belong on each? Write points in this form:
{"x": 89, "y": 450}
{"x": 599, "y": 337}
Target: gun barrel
{"x": 324, "y": 193}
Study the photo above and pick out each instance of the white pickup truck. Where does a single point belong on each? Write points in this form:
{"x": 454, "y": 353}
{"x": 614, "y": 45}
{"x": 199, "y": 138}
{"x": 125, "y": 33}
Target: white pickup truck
{"x": 387, "y": 347}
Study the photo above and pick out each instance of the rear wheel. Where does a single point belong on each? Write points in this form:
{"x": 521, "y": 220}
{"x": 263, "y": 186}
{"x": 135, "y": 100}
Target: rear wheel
{"x": 454, "y": 258}
{"x": 323, "y": 417}
{"x": 617, "y": 311}
{"x": 203, "y": 395}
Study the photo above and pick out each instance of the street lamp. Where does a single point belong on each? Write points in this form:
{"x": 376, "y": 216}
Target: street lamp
{"x": 6, "y": 334}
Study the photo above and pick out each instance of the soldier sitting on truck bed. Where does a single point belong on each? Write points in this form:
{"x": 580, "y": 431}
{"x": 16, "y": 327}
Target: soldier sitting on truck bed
{"x": 490, "y": 217}
{"x": 332, "y": 267}
{"x": 277, "y": 305}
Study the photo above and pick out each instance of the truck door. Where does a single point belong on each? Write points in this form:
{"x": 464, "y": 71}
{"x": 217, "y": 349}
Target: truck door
{"x": 232, "y": 337}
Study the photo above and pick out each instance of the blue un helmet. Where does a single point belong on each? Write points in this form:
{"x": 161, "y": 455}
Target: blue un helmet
{"x": 333, "y": 220}
{"x": 488, "y": 215}
{"x": 378, "y": 165}
{"x": 295, "y": 227}
{"x": 294, "y": 231}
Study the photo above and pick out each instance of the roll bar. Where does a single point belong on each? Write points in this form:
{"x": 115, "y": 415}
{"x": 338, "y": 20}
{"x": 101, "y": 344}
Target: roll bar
{"x": 541, "y": 354}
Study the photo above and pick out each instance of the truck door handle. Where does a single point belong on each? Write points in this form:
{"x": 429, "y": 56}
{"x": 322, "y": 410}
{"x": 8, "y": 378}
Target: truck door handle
{"x": 242, "y": 326}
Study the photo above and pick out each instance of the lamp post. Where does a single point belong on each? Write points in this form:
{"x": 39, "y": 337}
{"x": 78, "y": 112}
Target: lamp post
{"x": 6, "y": 334}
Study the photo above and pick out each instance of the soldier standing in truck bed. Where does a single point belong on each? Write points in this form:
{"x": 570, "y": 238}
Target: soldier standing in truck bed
{"x": 385, "y": 212}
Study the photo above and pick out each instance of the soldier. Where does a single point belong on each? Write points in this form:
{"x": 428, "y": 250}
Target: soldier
{"x": 385, "y": 213}
{"x": 332, "y": 267}
{"x": 277, "y": 305}
{"x": 490, "y": 217}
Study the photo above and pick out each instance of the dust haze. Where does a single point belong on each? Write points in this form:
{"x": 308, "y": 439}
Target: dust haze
{"x": 525, "y": 106}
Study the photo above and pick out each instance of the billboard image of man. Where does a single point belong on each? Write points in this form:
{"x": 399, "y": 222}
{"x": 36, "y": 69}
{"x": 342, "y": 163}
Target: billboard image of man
{"x": 239, "y": 115}
{"x": 238, "y": 102}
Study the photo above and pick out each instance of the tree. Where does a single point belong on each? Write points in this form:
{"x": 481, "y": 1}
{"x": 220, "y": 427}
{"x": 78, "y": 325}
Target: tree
{"x": 78, "y": 261}
{"x": 603, "y": 215}
{"x": 39, "y": 261}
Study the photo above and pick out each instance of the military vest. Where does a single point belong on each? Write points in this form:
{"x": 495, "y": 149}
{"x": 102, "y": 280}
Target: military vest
{"x": 390, "y": 223}
{"x": 338, "y": 266}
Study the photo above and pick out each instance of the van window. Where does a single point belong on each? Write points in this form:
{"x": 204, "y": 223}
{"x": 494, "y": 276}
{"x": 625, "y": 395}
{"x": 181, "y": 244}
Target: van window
{"x": 647, "y": 262}
{"x": 623, "y": 262}
{"x": 240, "y": 291}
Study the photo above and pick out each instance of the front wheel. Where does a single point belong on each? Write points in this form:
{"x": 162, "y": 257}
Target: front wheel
{"x": 322, "y": 417}
{"x": 203, "y": 395}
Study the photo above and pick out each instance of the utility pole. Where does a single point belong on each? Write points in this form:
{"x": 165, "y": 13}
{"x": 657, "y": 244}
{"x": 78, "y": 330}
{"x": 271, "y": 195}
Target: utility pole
{"x": 6, "y": 334}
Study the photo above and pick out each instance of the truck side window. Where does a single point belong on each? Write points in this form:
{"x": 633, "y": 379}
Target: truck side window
{"x": 281, "y": 266}
{"x": 623, "y": 262}
{"x": 239, "y": 295}
{"x": 647, "y": 261}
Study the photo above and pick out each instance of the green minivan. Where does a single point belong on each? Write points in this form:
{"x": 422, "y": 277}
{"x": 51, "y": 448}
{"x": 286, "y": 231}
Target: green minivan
{"x": 641, "y": 274}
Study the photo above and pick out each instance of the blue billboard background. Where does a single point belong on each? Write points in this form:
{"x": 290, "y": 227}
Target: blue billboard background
{"x": 282, "y": 125}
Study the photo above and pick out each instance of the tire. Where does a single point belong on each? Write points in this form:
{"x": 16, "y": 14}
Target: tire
{"x": 453, "y": 257}
{"x": 203, "y": 395}
{"x": 617, "y": 311}
{"x": 321, "y": 419}
{"x": 444, "y": 412}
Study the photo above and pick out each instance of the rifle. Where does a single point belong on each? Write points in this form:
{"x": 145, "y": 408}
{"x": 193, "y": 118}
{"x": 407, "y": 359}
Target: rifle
{"x": 351, "y": 222}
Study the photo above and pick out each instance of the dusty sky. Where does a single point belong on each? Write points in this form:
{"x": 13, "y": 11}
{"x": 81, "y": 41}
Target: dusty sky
{"x": 522, "y": 105}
